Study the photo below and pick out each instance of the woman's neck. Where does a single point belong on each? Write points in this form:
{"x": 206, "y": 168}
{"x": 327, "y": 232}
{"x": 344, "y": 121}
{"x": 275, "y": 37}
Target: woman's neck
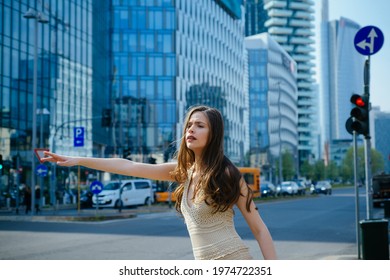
{"x": 197, "y": 165}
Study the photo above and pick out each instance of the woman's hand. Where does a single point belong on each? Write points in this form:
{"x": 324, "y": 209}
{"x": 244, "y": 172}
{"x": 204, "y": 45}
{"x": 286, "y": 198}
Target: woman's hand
{"x": 59, "y": 159}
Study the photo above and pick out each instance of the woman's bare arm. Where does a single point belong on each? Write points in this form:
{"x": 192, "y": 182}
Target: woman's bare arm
{"x": 116, "y": 165}
{"x": 257, "y": 226}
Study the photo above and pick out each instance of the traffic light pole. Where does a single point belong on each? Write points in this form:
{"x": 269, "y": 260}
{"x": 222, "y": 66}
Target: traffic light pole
{"x": 367, "y": 142}
{"x": 357, "y": 214}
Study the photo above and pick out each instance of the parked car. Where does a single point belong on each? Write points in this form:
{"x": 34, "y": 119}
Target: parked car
{"x": 322, "y": 187}
{"x": 301, "y": 187}
{"x": 124, "y": 193}
{"x": 267, "y": 189}
{"x": 288, "y": 187}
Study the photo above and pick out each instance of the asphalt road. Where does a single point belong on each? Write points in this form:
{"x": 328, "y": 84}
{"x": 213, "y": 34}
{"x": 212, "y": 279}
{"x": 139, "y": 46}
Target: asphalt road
{"x": 303, "y": 228}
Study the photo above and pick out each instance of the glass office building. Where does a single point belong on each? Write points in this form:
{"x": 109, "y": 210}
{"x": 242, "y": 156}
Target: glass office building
{"x": 143, "y": 75}
{"x": 342, "y": 75}
{"x": 64, "y": 77}
{"x": 147, "y": 60}
{"x": 290, "y": 23}
{"x": 273, "y": 99}
{"x": 167, "y": 56}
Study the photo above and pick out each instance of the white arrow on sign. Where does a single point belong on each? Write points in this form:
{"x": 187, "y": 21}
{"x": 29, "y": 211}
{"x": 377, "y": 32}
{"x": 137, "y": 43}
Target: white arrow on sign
{"x": 96, "y": 187}
{"x": 363, "y": 44}
{"x": 41, "y": 170}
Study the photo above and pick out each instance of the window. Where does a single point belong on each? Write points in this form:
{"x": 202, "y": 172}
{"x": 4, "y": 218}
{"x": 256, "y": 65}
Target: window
{"x": 141, "y": 185}
{"x": 155, "y": 19}
{"x": 127, "y": 187}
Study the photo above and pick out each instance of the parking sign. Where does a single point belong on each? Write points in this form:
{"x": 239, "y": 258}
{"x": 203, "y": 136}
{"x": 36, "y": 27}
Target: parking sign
{"x": 78, "y": 133}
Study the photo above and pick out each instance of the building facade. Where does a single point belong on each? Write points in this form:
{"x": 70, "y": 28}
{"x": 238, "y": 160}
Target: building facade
{"x": 290, "y": 23}
{"x": 342, "y": 76}
{"x": 64, "y": 78}
{"x": 273, "y": 99}
{"x": 170, "y": 55}
{"x": 147, "y": 61}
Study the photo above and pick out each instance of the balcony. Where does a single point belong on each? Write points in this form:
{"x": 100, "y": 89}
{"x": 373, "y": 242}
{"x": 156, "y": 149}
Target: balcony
{"x": 275, "y": 4}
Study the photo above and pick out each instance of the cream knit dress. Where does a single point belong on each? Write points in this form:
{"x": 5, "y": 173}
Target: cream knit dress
{"x": 213, "y": 236}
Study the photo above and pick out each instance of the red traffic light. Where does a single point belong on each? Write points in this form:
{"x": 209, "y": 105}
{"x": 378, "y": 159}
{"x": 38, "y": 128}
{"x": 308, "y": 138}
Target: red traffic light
{"x": 359, "y": 117}
{"x": 358, "y": 100}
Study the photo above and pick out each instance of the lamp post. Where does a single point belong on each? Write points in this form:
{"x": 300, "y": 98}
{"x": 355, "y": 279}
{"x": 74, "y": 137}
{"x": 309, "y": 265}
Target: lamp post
{"x": 280, "y": 138}
{"x": 38, "y": 17}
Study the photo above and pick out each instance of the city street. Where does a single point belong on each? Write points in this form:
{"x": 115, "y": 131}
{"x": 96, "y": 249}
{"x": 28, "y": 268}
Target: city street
{"x": 307, "y": 228}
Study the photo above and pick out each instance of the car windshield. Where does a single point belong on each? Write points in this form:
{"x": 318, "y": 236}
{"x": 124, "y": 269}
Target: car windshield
{"x": 111, "y": 186}
{"x": 286, "y": 184}
{"x": 323, "y": 183}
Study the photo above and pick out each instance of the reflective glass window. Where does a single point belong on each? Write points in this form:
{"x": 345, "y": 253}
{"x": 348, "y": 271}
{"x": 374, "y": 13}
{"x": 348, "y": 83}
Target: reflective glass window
{"x": 170, "y": 19}
{"x": 170, "y": 66}
{"x": 116, "y": 42}
{"x": 138, "y": 18}
{"x": 155, "y": 19}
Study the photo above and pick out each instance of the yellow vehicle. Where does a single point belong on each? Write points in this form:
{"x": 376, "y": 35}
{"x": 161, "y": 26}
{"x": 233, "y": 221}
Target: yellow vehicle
{"x": 252, "y": 178}
{"x": 164, "y": 190}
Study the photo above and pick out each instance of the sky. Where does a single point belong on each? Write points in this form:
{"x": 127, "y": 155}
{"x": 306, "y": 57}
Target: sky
{"x": 364, "y": 13}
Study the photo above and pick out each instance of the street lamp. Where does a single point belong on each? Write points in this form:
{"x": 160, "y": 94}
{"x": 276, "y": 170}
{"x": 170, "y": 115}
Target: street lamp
{"x": 38, "y": 17}
{"x": 280, "y": 138}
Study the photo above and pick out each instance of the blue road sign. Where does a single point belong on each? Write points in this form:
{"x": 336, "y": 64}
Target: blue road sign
{"x": 369, "y": 40}
{"x": 96, "y": 187}
{"x": 78, "y": 140}
{"x": 41, "y": 170}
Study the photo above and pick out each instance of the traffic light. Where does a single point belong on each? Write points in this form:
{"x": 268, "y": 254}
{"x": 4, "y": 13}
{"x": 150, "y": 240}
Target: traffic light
{"x": 359, "y": 119}
{"x": 1, "y": 165}
{"x": 106, "y": 118}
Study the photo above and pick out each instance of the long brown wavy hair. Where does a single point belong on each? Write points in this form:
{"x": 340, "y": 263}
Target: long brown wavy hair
{"x": 220, "y": 179}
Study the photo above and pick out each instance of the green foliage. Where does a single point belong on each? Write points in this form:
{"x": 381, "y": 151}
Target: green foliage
{"x": 318, "y": 170}
{"x": 377, "y": 164}
{"x": 288, "y": 166}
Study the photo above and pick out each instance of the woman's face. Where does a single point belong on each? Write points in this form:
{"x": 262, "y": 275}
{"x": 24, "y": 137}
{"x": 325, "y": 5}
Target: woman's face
{"x": 197, "y": 132}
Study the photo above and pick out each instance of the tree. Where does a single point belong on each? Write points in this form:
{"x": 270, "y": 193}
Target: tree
{"x": 307, "y": 170}
{"x": 377, "y": 164}
{"x": 288, "y": 165}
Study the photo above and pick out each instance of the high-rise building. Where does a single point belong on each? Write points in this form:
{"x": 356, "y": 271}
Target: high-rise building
{"x": 65, "y": 97}
{"x": 147, "y": 61}
{"x": 341, "y": 75}
{"x": 290, "y": 23}
{"x": 255, "y": 17}
{"x": 273, "y": 114}
{"x": 169, "y": 55}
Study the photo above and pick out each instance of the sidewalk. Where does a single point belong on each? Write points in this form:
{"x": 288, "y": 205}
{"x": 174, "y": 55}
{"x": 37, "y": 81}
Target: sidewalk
{"x": 70, "y": 213}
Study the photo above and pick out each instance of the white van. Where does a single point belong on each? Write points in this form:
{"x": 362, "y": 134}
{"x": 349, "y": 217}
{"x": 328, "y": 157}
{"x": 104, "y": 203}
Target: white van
{"x": 125, "y": 193}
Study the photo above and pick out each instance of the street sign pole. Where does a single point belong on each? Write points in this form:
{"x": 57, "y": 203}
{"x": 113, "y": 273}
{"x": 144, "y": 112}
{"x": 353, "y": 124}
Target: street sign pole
{"x": 368, "y": 41}
{"x": 355, "y": 168}
{"x": 96, "y": 187}
{"x": 367, "y": 142}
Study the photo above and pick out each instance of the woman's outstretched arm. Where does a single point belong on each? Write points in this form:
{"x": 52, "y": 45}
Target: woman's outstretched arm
{"x": 116, "y": 165}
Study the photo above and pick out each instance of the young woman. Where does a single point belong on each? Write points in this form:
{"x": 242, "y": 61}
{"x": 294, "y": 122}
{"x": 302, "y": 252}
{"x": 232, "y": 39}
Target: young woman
{"x": 209, "y": 187}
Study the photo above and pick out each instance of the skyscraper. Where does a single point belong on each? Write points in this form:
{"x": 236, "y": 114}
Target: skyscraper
{"x": 341, "y": 74}
{"x": 290, "y": 23}
{"x": 64, "y": 77}
{"x": 273, "y": 99}
{"x": 169, "y": 55}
